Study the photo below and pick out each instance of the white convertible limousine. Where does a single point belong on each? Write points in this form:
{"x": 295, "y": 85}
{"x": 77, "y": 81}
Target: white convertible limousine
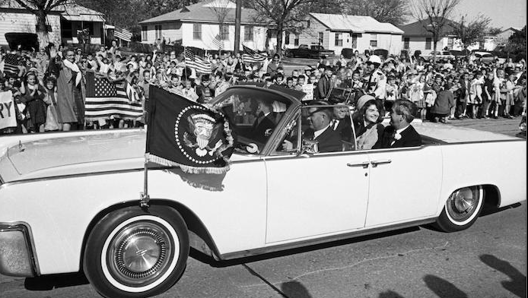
{"x": 70, "y": 202}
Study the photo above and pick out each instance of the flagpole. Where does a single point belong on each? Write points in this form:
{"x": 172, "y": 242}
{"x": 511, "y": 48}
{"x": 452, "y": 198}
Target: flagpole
{"x": 145, "y": 198}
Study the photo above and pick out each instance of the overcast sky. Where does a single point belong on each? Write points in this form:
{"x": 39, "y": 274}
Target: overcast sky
{"x": 503, "y": 13}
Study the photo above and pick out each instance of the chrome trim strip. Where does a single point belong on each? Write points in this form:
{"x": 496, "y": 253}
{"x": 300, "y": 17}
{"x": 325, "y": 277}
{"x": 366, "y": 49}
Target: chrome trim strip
{"x": 28, "y": 234}
{"x": 297, "y": 244}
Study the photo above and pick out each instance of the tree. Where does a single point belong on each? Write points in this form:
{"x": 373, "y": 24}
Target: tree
{"x": 472, "y": 31}
{"x": 385, "y": 11}
{"x": 434, "y": 16}
{"x": 41, "y": 9}
{"x": 516, "y": 45}
{"x": 283, "y": 15}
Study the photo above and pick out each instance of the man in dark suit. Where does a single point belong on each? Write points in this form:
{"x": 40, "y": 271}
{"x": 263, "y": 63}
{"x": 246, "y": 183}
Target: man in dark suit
{"x": 264, "y": 124}
{"x": 328, "y": 140}
{"x": 400, "y": 133}
{"x": 342, "y": 123}
{"x": 324, "y": 85}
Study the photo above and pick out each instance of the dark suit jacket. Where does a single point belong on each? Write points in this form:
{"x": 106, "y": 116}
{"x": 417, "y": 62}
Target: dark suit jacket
{"x": 328, "y": 141}
{"x": 409, "y": 138}
{"x": 262, "y": 130}
{"x": 344, "y": 129}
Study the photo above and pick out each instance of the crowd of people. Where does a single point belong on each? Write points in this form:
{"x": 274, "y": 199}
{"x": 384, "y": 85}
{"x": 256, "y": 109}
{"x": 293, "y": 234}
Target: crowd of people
{"x": 49, "y": 86}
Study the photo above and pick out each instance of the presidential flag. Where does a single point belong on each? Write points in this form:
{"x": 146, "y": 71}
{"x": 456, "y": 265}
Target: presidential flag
{"x": 105, "y": 99}
{"x": 197, "y": 63}
{"x": 186, "y": 134}
{"x": 251, "y": 55}
{"x": 11, "y": 64}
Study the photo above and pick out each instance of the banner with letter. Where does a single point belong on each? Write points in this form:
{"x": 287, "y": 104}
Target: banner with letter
{"x": 7, "y": 110}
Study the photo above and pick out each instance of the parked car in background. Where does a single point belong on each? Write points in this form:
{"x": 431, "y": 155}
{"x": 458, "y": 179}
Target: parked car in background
{"x": 486, "y": 57}
{"x": 382, "y": 53}
{"x": 440, "y": 55}
{"x": 70, "y": 201}
{"x": 305, "y": 51}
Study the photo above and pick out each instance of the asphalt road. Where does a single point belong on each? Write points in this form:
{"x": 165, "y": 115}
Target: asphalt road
{"x": 487, "y": 260}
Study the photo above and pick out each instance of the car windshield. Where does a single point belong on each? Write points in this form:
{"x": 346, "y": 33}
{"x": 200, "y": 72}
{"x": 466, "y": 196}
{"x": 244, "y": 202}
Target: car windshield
{"x": 254, "y": 114}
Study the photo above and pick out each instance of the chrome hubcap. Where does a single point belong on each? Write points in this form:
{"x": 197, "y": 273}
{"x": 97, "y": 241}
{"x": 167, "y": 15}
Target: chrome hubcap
{"x": 139, "y": 253}
{"x": 462, "y": 204}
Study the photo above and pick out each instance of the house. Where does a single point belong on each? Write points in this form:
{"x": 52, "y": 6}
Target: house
{"x": 416, "y": 37}
{"x": 63, "y": 22}
{"x": 209, "y": 25}
{"x": 336, "y": 31}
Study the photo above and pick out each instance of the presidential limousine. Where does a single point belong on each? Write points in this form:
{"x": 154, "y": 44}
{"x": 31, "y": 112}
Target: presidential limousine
{"x": 75, "y": 201}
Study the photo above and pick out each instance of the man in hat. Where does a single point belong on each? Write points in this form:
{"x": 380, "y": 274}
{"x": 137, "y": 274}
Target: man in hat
{"x": 377, "y": 81}
{"x": 400, "y": 133}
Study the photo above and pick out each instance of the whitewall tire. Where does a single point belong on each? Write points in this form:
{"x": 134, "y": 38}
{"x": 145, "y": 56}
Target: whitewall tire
{"x": 135, "y": 253}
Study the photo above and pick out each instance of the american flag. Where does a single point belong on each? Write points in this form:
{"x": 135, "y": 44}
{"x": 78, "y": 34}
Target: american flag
{"x": 218, "y": 42}
{"x": 196, "y": 62}
{"x": 105, "y": 99}
{"x": 251, "y": 55}
{"x": 11, "y": 63}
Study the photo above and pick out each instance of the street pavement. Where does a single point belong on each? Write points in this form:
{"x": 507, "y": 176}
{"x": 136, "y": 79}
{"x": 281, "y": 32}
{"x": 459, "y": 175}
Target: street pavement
{"x": 487, "y": 260}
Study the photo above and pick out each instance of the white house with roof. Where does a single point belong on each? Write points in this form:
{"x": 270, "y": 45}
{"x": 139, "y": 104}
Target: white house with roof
{"x": 209, "y": 25}
{"x": 63, "y": 22}
{"x": 335, "y": 32}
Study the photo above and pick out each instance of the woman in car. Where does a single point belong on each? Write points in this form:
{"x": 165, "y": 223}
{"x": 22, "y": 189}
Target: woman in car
{"x": 367, "y": 122}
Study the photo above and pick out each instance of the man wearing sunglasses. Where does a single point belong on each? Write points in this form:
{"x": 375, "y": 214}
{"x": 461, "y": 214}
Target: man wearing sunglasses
{"x": 328, "y": 140}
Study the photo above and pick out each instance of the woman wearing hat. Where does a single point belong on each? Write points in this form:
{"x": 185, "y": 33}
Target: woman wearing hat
{"x": 367, "y": 121}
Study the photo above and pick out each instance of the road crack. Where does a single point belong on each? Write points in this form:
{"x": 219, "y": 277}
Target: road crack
{"x": 396, "y": 255}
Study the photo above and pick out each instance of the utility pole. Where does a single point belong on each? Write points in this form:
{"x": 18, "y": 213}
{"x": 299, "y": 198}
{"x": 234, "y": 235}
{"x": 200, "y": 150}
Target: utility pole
{"x": 238, "y": 15}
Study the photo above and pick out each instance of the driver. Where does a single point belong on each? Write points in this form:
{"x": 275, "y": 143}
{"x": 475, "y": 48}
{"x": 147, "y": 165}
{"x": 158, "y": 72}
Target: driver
{"x": 265, "y": 123}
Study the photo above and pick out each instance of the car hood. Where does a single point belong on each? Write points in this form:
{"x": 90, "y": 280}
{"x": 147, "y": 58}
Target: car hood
{"x": 34, "y": 156}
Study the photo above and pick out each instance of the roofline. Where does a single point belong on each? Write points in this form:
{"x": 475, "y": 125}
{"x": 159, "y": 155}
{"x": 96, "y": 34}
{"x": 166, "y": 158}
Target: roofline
{"x": 200, "y": 21}
{"x": 311, "y": 14}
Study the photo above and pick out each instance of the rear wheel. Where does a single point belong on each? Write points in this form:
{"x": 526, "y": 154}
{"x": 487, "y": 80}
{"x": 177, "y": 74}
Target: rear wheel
{"x": 461, "y": 209}
{"x": 136, "y": 253}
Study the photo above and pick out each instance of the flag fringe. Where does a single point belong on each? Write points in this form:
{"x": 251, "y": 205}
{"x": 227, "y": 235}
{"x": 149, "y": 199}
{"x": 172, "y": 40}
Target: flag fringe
{"x": 184, "y": 168}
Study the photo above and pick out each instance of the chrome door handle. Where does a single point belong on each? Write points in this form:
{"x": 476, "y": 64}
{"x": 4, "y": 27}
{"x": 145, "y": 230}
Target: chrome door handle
{"x": 375, "y": 163}
{"x": 364, "y": 164}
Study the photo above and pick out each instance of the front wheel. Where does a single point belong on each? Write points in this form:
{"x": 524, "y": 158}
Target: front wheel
{"x": 135, "y": 253}
{"x": 461, "y": 209}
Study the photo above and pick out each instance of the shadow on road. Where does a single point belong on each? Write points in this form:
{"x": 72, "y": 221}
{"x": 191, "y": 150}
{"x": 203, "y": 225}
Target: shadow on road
{"x": 517, "y": 282}
{"x": 295, "y": 289}
{"x": 49, "y": 282}
{"x": 390, "y": 294}
{"x": 442, "y": 288}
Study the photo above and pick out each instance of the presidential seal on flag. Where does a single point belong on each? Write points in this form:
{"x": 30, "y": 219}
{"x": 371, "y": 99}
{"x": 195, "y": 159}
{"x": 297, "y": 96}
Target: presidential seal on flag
{"x": 183, "y": 133}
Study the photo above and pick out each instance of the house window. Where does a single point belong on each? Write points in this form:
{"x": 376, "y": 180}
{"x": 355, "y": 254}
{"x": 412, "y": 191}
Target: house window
{"x": 338, "y": 39}
{"x": 287, "y": 37}
{"x": 197, "y": 31}
{"x": 296, "y": 40}
{"x": 248, "y": 33}
{"x": 450, "y": 42}
{"x": 157, "y": 28}
{"x": 224, "y": 32}
{"x": 321, "y": 36}
{"x": 428, "y": 43}
{"x": 354, "y": 41}
{"x": 143, "y": 33}
{"x": 374, "y": 40}
{"x": 308, "y": 24}
{"x": 406, "y": 42}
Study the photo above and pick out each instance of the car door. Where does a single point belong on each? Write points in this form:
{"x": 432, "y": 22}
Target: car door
{"x": 317, "y": 194}
{"x": 404, "y": 184}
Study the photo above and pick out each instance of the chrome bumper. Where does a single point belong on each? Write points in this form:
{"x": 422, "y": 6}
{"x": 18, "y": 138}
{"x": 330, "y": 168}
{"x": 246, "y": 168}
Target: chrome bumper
{"x": 17, "y": 251}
